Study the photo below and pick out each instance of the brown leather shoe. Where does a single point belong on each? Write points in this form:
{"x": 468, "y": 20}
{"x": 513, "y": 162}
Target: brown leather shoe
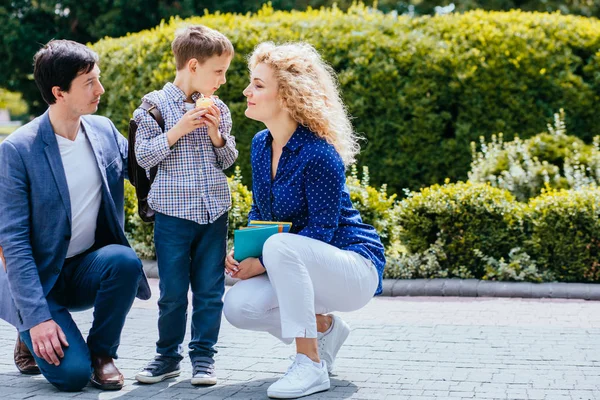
{"x": 24, "y": 359}
{"x": 106, "y": 376}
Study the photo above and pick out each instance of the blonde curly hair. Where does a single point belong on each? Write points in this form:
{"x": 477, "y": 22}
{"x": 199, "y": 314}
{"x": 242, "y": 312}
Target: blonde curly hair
{"x": 309, "y": 91}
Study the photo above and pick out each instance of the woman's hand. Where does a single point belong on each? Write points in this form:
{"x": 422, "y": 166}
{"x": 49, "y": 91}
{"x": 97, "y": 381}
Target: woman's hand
{"x": 243, "y": 270}
{"x": 231, "y": 265}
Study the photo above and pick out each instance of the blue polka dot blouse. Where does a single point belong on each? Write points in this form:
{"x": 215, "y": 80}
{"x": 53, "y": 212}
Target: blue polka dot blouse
{"x": 310, "y": 191}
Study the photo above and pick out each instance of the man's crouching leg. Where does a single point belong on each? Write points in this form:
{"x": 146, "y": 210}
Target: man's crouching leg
{"x": 108, "y": 278}
{"x": 75, "y": 368}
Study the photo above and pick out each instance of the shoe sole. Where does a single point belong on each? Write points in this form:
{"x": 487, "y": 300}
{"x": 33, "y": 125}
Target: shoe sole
{"x": 341, "y": 343}
{"x": 285, "y": 395}
{"x": 204, "y": 381}
{"x": 32, "y": 371}
{"x": 106, "y": 386}
{"x": 156, "y": 379}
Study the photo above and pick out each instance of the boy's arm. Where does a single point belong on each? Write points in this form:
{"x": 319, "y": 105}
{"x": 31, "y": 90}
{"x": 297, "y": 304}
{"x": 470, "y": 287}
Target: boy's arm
{"x": 151, "y": 143}
{"x": 227, "y": 154}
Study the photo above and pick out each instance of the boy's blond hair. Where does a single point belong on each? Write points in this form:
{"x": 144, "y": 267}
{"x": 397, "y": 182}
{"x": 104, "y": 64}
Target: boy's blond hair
{"x": 199, "y": 42}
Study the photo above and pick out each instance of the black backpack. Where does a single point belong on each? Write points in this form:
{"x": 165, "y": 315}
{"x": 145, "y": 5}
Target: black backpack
{"x": 137, "y": 174}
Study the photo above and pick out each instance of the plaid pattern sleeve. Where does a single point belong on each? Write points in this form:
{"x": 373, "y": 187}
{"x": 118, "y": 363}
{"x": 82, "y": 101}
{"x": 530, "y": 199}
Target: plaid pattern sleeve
{"x": 151, "y": 144}
{"x": 227, "y": 154}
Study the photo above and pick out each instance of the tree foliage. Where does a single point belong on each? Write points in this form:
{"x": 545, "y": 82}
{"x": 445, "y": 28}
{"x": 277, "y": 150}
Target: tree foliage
{"x": 25, "y": 25}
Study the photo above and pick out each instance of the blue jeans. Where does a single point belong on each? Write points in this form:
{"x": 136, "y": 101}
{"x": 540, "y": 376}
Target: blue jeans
{"x": 189, "y": 254}
{"x": 106, "y": 279}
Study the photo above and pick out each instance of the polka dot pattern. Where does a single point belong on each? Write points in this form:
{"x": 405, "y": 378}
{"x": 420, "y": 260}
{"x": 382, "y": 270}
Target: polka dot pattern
{"x": 310, "y": 191}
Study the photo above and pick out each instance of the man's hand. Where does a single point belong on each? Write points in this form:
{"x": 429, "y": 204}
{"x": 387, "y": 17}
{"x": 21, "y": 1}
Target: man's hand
{"x": 243, "y": 270}
{"x": 46, "y": 339}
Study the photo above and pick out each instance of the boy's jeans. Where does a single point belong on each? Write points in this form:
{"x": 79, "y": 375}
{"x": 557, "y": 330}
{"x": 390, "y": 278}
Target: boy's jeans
{"x": 189, "y": 254}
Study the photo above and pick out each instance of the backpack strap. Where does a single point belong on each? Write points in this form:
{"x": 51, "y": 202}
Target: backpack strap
{"x": 153, "y": 111}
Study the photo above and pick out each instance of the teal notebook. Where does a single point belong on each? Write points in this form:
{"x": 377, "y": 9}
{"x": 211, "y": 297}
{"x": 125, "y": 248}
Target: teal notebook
{"x": 249, "y": 241}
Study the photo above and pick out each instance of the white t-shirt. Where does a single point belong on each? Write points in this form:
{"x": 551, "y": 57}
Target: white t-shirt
{"x": 85, "y": 190}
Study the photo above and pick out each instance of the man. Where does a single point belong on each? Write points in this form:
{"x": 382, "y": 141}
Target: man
{"x": 61, "y": 227}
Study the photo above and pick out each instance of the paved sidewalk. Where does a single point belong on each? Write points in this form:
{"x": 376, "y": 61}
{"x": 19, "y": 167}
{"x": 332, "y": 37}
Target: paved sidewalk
{"x": 399, "y": 348}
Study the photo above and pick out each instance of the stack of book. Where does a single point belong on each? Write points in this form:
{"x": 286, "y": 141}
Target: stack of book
{"x": 249, "y": 240}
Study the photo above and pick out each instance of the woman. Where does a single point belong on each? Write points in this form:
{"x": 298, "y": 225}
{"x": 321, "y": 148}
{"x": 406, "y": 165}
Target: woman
{"x": 330, "y": 261}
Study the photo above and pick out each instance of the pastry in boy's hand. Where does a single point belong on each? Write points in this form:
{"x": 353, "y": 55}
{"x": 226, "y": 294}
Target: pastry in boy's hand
{"x": 204, "y": 102}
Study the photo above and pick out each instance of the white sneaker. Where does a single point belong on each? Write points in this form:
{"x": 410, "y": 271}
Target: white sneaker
{"x": 330, "y": 343}
{"x": 203, "y": 371}
{"x": 302, "y": 378}
{"x": 204, "y": 378}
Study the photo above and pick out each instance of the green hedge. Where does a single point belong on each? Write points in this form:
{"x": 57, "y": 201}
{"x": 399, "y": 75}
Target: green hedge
{"x": 454, "y": 220}
{"x": 464, "y": 230}
{"x": 469, "y": 230}
{"x": 565, "y": 233}
{"x": 420, "y": 89}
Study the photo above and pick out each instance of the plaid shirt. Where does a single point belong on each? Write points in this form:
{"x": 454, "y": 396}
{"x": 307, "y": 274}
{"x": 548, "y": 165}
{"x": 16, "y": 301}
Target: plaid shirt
{"x": 190, "y": 182}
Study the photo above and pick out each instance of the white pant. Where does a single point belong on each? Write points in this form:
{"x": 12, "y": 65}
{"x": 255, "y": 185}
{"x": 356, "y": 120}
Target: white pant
{"x": 304, "y": 277}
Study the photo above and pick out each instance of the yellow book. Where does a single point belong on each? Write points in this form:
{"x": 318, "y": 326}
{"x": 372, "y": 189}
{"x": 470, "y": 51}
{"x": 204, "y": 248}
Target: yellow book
{"x": 283, "y": 226}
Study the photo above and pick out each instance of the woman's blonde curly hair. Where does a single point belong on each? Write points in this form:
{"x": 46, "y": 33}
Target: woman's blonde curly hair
{"x": 309, "y": 91}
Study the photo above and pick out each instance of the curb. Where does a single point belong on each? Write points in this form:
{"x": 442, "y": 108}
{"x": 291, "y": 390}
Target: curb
{"x": 463, "y": 287}
{"x": 478, "y": 288}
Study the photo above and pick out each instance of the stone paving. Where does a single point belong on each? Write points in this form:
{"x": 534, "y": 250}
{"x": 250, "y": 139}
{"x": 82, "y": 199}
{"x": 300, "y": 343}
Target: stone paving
{"x": 399, "y": 348}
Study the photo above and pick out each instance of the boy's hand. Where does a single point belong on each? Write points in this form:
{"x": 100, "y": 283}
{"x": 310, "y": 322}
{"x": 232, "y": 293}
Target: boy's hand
{"x": 191, "y": 120}
{"x": 212, "y": 119}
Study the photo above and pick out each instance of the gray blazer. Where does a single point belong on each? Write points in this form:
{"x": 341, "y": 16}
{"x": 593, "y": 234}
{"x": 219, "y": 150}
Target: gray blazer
{"x": 35, "y": 213}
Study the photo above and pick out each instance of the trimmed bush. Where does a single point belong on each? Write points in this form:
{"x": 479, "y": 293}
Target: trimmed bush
{"x": 420, "y": 89}
{"x": 445, "y": 227}
{"x": 241, "y": 202}
{"x": 375, "y": 206}
{"x": 462, "y": 230}
{"x": 564, "y": 227}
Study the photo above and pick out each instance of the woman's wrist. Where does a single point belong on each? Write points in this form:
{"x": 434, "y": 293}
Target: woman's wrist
{"x": 259, "y": 266}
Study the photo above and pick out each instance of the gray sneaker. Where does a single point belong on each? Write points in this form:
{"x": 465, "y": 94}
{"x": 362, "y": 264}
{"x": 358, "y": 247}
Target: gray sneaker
{"x": 203, "y": 371}
{"x": 330, "y": 344}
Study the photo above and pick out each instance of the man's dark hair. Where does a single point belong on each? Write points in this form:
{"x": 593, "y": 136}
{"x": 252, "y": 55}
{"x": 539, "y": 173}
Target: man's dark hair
{"x": 58, "y": 63}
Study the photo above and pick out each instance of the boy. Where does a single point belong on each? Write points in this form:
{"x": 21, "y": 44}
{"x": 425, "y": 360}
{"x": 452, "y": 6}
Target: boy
{"x": 191, "y": 198}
